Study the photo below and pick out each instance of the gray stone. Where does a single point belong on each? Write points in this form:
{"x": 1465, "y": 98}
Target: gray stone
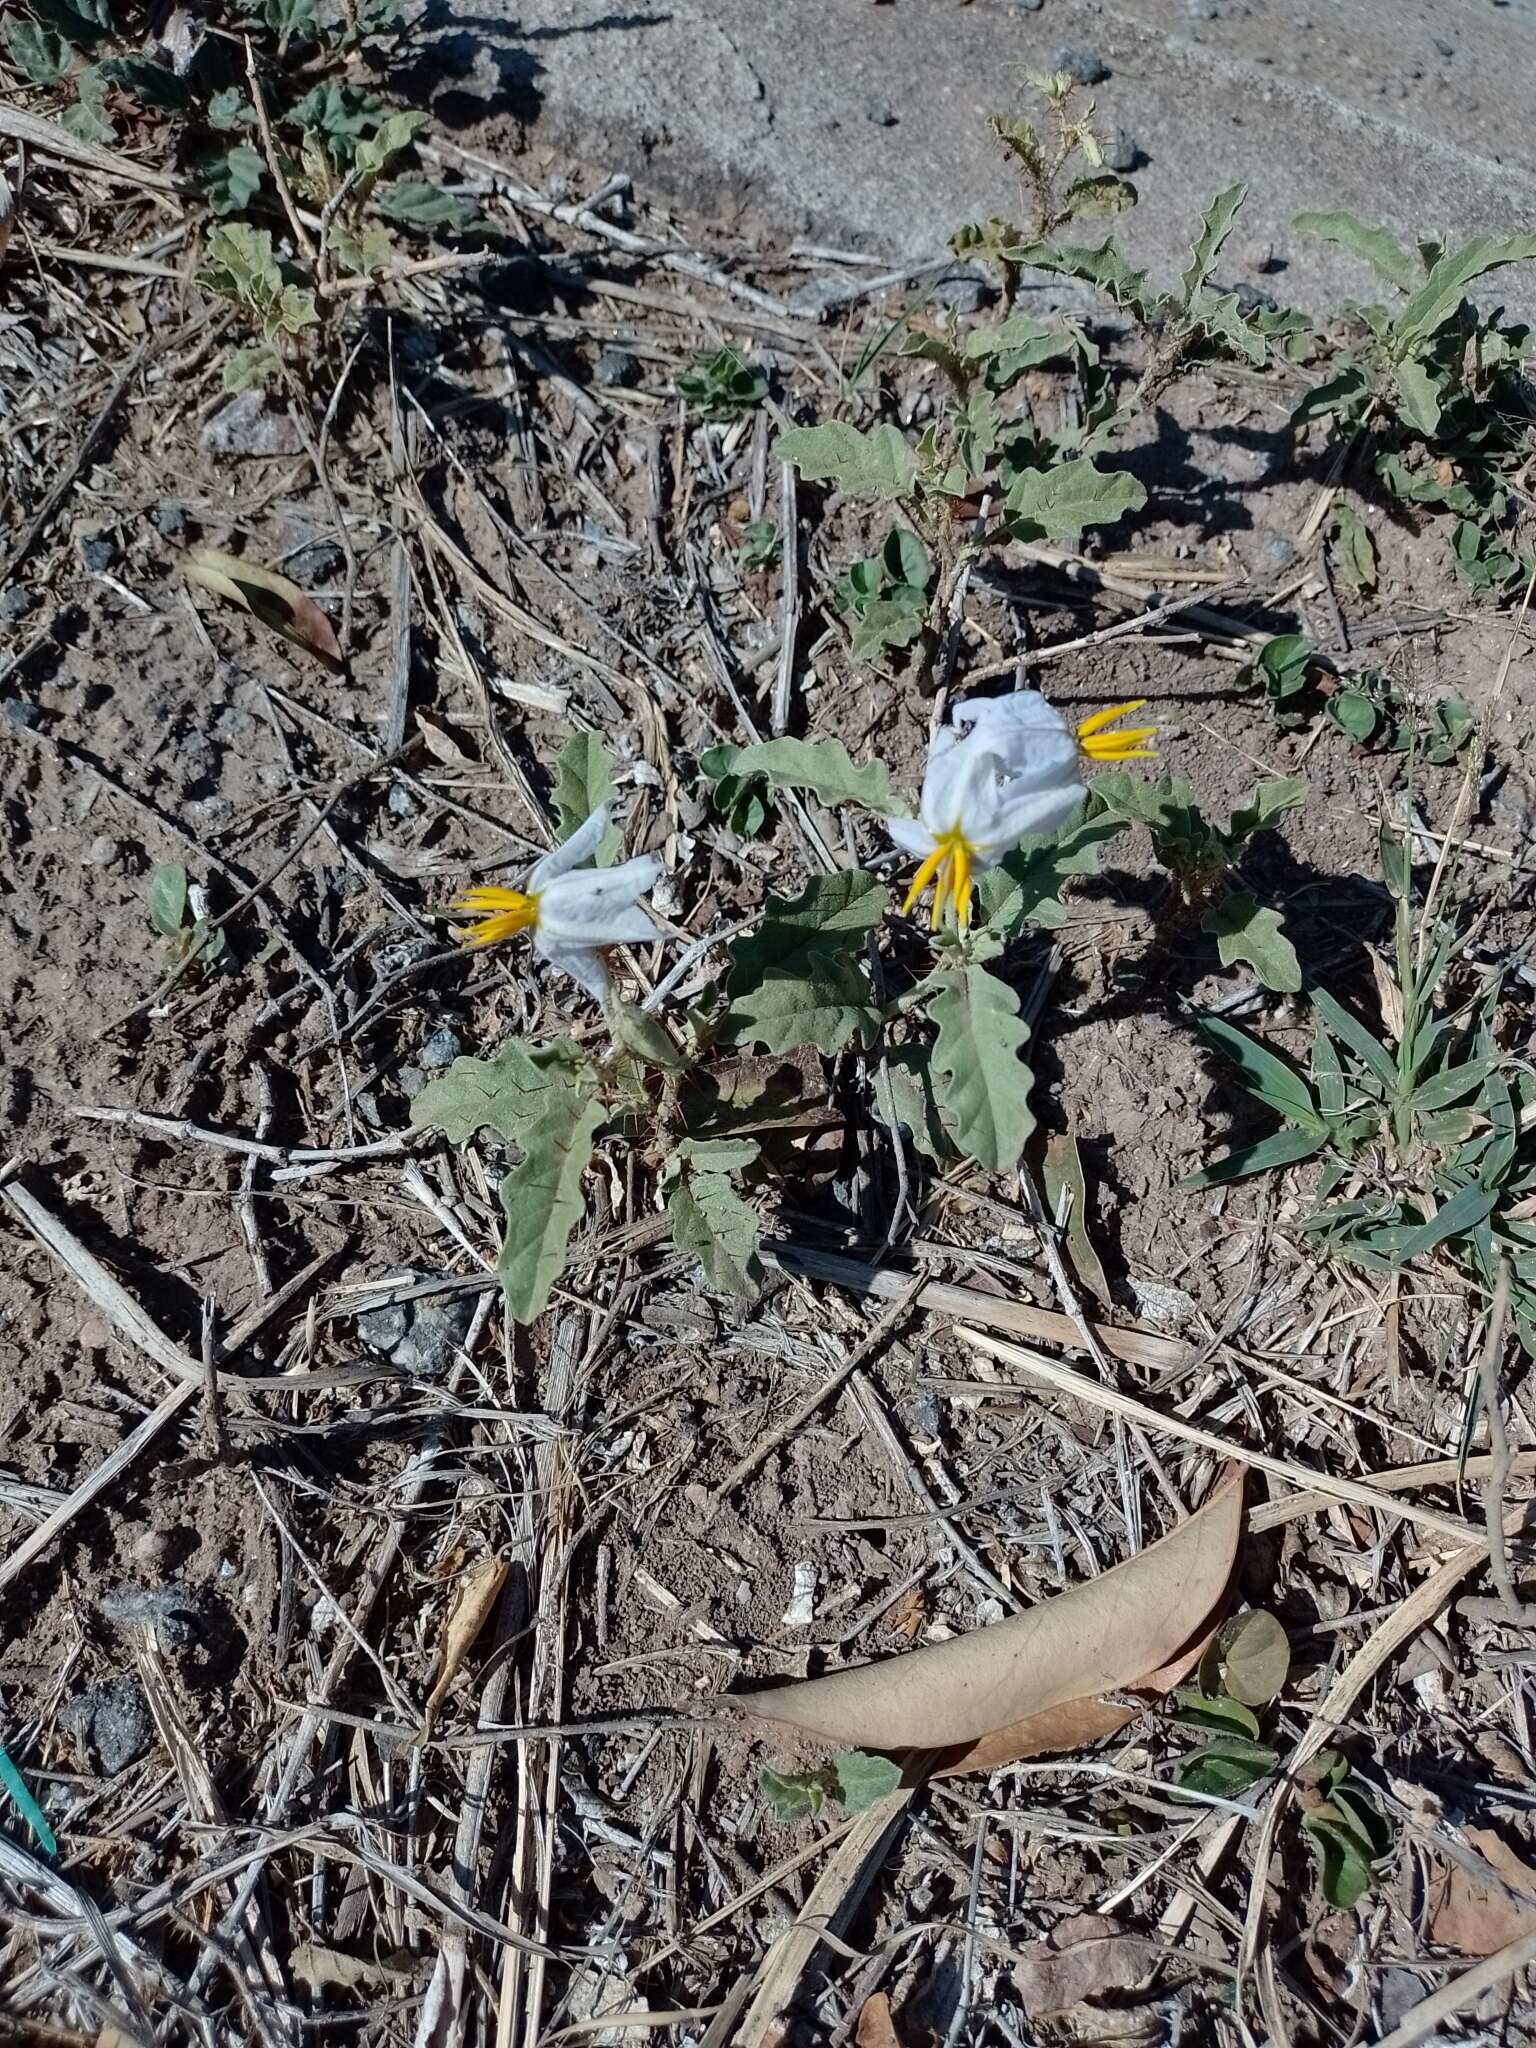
{"x": 1276, "y": 552}
{"x": 1204, "y": 10}
{"x": 400, "y": 803}
{"x": 247, "y": 426}
{"x": 314, "y": 564}
{"x": 20, "y": 712}
{"x": 98, "y": 553}
{"x": 881, "y": 112}
{"x": 197, "y": 758}
{"x": 1083, "y": 66}
{"x": 616, "y": 369}
{"x": 103, "y": 851}
{"x": 1029, "y": 6}
{"x": 820, "y": 297}
{"x": 1121, "y": 152}
{"x": 16, "y": 602}
{"x": 171, "y": 519}
{"x": 965, "y": 290}
{"x": 171, "y": 1611}
{"x": 114, "y": 1721}
{"x": 441, "y": 1049}
{"x": 419, "y": 1337}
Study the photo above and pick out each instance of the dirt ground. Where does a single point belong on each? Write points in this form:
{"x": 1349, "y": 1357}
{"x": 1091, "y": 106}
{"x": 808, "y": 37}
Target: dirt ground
{"x": 214, "y": 1665}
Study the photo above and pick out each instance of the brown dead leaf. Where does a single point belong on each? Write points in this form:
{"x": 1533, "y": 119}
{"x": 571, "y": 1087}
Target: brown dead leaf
{"x": 474, "y": 1595}
{"x": 1475, "y": 1917}
{"x": 1038, "y": 1682}
{"x": 906, "y": 1615}
{"x": 443, "y": 743}
{"x": 1086, "y": 1959}
{"x": 270, "y": 598}
{"x": 876, "y": 2029}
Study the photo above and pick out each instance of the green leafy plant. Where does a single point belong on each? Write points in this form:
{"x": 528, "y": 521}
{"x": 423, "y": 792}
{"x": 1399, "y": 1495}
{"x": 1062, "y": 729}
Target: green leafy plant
{"x": 1436, "y": 384}
{"x": 885, "y": 597}
{"x": 853, "y": 1778}
{"x": 721, "y": 384}
{"x": 760, "y": 546}
{"x": 1202, "y": 856}
{"x": 177, "y": 910}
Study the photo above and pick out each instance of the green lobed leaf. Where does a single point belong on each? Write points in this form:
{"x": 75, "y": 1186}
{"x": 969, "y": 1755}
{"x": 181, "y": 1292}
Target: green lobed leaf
{"x": 1282, "y": 664}
{"x": 584, "y": 780}
{"x": 1375, "y": 246}
{"x": 711, "y": 1223}
{"x": 1216, "y": 223}
{"x": 1341, "y": 392}
{"x": 229, "y": 109}
{"x": 41, "y": 57}
{"x": 980, "y": 1084}
{"x": 1102, "y": 265}
{"x": 1061, "y": 503}
{"x": 821, "y": 767}
{"x": 1446, "y": 286}
{"x": 362, "y": 250}
{"x": 879, "y": 464}
{"x": 542, "y": 1201}
{"x": 1100, "y": 193}
{"x": 394, "y": 133}
{"x": 1351, "y": 550}
{"x": 1025, "y": 886}
{"x": 791, "y": 1795}
{"x": 903, "y": 1093}
{"x": 862, "y": 1779}
{"x": 509, "y": 1093}
{"x": 151, "y": 84}
{"x": 231, "y": 181}
{"x": 645, "y": 1036}
{"x": 1244, "y": 930}
{"x": 1222, "y": 318}
{"x": 168, "y": 898}
{"x": 417, "y": 203}
{"x": 1267, "y": 801}
{"x": 1355, "y": 713}
{"x": 826, "y": 1004}
{"x": 1418, "y": 396}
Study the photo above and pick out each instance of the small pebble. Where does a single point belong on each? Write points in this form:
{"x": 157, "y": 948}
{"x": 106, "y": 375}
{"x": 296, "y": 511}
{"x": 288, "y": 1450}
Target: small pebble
{"x": 616, "y": 369}
{"x": 150, "y": 1549}
{"x": 16, "y": 602}
{"x": 1276, "y": 552}
{"x": 441, "y": 1049}
{"x": 171, "y": 519}
{"x": 318, "y": 562}
{"x": 1083, "y": 67}
{"x": 965, "y": 290}
{"x": 98, "y": 554}
{"x": 881, "y": 112}
{"x": 400, "y": 803}
{"x": 819, "y": 297}
{"x": 20, "y": 712}
{"x": 104, "y": 851}
{"x": 1029, "y": 6}
{"x": 114, "y": 1721}
{"x": 1204, "y": 10}
{"x": 1120, "y": 151}
{"x": 1444, "y": 48}
{"x": 170, "y": 1610}
{"x": 246, "y": 426}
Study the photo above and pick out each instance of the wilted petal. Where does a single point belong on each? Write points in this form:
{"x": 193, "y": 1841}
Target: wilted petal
{"x": 581, "y": 846}
{"x": 581, "y": 963}
{"x": 911, "y": 835}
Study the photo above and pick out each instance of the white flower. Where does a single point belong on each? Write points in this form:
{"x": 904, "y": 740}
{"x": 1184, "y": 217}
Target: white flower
{"x": 1013, "y": 773}
{"x": 571, "y": 915}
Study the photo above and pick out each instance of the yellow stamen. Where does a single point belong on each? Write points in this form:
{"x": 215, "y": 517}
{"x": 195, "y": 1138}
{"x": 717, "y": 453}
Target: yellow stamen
{"x": 948, "y": 867}
{"x": 499, "y": 913}
{"x": 1099, "y": 744}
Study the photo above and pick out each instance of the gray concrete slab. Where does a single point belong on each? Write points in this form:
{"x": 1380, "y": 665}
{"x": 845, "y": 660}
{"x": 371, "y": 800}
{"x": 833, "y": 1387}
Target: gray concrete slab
{"x": 867, "y": 122}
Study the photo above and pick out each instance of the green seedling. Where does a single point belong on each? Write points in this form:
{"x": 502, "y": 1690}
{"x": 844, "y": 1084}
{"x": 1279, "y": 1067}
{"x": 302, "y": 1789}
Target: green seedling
{"x": 760, "y": 547}
{"x": 1202, "y": 857}
{"x": 852, "y": 1778}
{"x": 884, "y": 598}
{"x": 1438, "y": 385}
{"x": 722, "y": 385}
{"x": 178, "y": 912}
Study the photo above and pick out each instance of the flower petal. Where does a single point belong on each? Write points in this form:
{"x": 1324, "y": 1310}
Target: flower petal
{"x": 581, "y": 846}
{"x": 911, "y": 835}
{"x": 1034, "y": 812}
{"x": 598, "y": 905}
{"x": 581, "y": 963}
{"x": 1010, "y": 717}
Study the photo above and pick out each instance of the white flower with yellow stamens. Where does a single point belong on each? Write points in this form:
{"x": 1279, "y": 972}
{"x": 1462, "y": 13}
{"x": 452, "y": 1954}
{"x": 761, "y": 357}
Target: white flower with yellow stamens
{"x": 571, "y": 915}
{"x": 1015, "y": 772}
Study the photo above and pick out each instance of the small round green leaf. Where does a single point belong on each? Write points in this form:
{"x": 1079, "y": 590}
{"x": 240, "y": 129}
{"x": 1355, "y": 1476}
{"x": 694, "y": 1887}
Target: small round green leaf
{"x": 1255, "y": 1657}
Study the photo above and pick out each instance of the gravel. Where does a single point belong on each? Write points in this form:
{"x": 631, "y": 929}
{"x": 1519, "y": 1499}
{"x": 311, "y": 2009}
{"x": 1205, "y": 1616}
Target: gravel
{"x": 1083, "y": 66}
{"x": 171, "y": 519}
{"x": 98, "y": 553}
{"x": 616, "y": 369}
{"x": 442, "y": 1048}
{"x": 1276, "y": 552}
{"x": 419, "y": 1337}
{"x": 1121, "y": 152}
{"x": 321, "y": 560}
{"x": 820, "y": 297}
{"x": 171, "y": 1611}
{"x": 246, "y": 426}
{"x": 881, "y": 112}
{"x": 114, "y": 1721}
{"x": 965, "y": 290}
{"x": 20, "y": 712}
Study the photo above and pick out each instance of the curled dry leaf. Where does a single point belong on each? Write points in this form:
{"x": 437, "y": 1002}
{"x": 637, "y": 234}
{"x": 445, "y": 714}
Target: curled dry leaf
{"x": 1477, "y": 1916}
{"x": 1045, "y": 1681}
{"x": 474, "y": 1595}
{"x": 875, "y": 2028}
{"x": 273, "y": 599}
{"x": 1086, "y": 1959}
